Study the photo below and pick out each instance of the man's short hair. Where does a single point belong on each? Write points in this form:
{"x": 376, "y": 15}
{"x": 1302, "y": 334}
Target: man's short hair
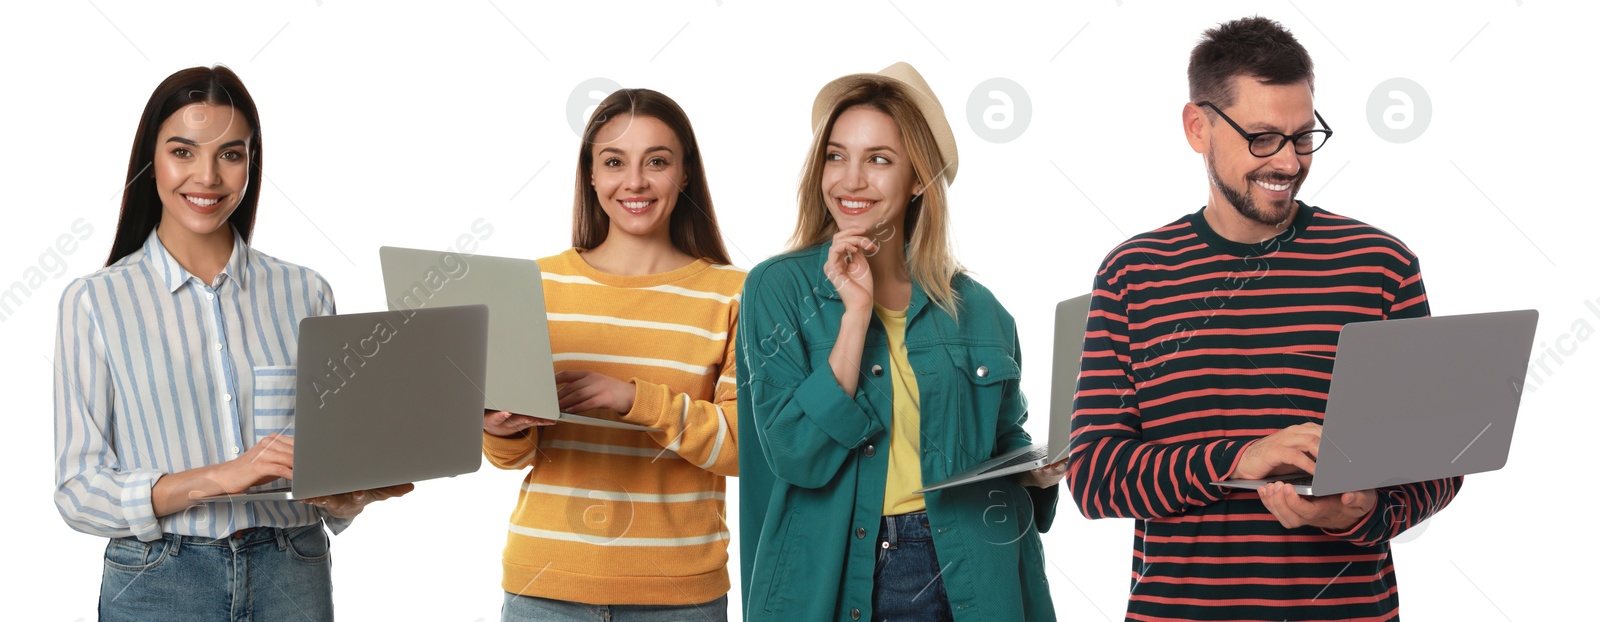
{"x": 1253, "y": 46}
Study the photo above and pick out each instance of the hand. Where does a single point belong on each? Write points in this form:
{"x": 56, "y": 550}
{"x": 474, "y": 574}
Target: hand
{"x": 269, "y": 459}
{"x": 1334, "y": 513}
{"x": 1045, "y": 476}
{"x": 502, "y": 423}
{"x": 349, "y": 504}
{"x": 1286, "y": 451}
{"x": 587, "y": 390}
{"x": 847, "y": 267}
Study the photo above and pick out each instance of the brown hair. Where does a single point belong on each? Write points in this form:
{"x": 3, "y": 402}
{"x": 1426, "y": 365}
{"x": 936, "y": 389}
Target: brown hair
{"x": 929, "y": 258}
{"x": 694, "y": 230}
{"x": 141, "y": 201}
{"x": 1253, "y": 46}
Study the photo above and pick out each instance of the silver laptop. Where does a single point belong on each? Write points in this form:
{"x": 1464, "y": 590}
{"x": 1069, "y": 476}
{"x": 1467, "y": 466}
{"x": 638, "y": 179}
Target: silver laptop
{"x": 1071, "y": 318}
{"x": 1418, "y": 399}
{"x": 522, "y": 376}
{"x": 382, "y": 399}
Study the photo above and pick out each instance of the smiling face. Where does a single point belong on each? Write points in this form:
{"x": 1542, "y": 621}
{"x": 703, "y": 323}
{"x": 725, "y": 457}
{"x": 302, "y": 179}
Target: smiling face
{"x": 1260, "y": 189}
{"x": 867, "y": 177}
{"x": 638, "y": 173}
{"x": 202, "y": 168}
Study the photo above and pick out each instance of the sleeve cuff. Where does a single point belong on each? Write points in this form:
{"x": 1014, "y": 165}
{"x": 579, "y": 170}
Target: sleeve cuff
{"x": 1044, "y": 505}
{"x": 1371, "y": 529}
{"x": 336, "y": 525}
{"x": 650, "y": 400}
{"x": 838, "y": 415}
{"x": 137, "y": 506}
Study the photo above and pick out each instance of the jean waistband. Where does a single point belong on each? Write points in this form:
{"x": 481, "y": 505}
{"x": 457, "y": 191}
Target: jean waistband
{"x": 913, "y": 525}
{"x": 249, "y": 536}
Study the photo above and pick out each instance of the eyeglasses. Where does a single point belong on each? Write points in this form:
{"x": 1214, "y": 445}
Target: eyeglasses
{"x": 1266, "y": 144}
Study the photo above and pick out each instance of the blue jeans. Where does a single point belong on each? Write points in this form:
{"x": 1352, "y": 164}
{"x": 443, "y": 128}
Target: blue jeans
{"x": 259, "y": 575}
{"x": 908, "y": 583}
{"x": 519, "y": 608}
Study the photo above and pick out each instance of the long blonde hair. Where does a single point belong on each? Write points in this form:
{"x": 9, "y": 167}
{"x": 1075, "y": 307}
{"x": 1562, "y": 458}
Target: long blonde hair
{"x": 929, "y": 256}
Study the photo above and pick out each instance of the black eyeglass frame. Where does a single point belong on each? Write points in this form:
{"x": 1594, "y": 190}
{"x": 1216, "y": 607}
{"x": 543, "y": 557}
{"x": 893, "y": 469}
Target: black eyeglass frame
{"x": 1283, "y": 139}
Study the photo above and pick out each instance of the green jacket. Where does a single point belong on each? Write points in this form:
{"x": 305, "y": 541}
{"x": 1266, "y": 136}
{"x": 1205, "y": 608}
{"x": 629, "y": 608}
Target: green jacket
{"x": 811, "y": 489}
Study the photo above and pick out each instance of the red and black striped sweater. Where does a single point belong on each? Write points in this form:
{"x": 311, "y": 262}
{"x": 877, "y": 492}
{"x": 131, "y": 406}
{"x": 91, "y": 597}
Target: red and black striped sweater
{"x": 1197, "y": 345}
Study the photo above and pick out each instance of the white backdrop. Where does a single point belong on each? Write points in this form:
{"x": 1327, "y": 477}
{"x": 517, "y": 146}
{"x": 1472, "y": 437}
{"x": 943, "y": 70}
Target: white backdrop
{"x": 403, "y": 124}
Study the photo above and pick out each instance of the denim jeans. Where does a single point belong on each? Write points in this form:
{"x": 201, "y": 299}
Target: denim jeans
{"x": 261, "y": 575}
{"x": 519, "y": 608}
{"x": 908, "y": 583}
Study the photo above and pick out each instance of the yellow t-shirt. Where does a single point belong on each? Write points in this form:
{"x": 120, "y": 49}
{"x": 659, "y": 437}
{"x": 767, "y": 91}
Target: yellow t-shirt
{"x": 905, "y": 434}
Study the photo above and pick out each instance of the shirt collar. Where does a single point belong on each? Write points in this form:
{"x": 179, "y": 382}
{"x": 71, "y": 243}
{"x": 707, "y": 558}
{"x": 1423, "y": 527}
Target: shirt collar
{"x": 175, "y": 275}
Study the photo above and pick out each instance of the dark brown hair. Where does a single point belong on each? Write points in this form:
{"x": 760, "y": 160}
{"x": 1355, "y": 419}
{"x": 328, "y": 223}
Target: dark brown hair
{"x": 1253, "y": 46}
{"x": 141, "y": 201}
{"x": 694, "y": 222}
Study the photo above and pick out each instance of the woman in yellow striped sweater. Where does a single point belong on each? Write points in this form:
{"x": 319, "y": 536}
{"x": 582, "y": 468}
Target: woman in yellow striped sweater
{"x": 617, "y": 524}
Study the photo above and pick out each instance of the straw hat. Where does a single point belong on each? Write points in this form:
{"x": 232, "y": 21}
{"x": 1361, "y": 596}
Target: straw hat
{"x": 921, "y": 95}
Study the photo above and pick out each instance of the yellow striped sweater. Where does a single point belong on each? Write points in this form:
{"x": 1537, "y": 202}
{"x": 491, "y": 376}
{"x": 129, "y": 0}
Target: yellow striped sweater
{"x": 618, "y": 516}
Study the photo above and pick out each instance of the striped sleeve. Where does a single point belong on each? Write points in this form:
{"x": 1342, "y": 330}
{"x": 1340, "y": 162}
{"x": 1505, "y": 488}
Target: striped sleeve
{"x": 1402, "y": 507}
{"x": 94, "y": 493}
{"x": 1111, "y": 470}
{"x": 805, "y": 422}
{"x": 704, "y": 432}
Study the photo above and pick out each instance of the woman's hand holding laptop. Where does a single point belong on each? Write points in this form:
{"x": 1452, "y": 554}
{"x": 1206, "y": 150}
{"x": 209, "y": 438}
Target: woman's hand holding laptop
{"x": 502, "y": 423}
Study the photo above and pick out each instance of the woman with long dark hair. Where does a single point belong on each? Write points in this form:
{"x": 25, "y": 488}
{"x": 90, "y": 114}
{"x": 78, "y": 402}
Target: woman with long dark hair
{"x": 620, "y": 524}
{"x": 175, "y": 379}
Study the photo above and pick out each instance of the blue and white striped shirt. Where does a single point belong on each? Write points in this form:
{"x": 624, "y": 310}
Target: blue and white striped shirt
{"x": 158, "y": 372}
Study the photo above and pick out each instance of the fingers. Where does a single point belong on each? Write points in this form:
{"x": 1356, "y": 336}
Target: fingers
{"x": 571, "y": 376}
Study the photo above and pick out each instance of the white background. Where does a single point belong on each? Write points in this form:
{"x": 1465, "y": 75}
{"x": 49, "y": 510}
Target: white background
{"x": 401, "y": 125}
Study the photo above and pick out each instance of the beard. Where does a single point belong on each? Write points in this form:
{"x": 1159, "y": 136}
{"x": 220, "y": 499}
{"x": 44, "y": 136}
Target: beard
{"x": 1274, "y": 213}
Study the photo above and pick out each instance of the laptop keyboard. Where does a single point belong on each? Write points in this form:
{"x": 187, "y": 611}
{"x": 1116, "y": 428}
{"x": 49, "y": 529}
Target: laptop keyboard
{"x": 1033, "y": 455}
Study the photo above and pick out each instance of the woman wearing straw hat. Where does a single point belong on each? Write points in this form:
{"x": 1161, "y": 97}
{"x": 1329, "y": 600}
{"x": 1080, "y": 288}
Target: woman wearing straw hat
{"x": 870, "y": 363}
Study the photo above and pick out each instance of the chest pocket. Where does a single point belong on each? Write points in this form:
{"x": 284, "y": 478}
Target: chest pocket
{"x": 979, "y": 379}
{"x": 272, "y": 404}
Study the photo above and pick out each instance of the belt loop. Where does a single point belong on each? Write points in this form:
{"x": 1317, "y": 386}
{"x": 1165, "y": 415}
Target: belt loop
{"x": 282, "y": 536}
{"x": 891, "y": 534}
{"x": 174, "y": 542}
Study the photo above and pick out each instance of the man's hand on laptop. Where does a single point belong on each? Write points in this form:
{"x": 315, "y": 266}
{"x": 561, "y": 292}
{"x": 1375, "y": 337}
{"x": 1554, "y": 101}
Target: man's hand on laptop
{"x": 1334, "y": 512}
{"x": 349, "y": 504}
{"x": 1292, "y": 449}
{"x": 505, "y": 424}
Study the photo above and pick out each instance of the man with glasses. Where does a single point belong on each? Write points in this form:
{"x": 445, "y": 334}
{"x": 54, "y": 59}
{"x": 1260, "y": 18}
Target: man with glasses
{"x": 1209, "y": 354}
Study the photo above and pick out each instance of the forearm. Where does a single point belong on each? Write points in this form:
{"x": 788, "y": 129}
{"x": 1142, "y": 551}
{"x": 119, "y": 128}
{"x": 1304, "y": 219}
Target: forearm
{"x": 1400, "y": 508}
{"x": 845, "y": 359}
{"x": 704, "y": 432}
{"x": 1119, "y": 477}
{"x": 511, "y": 452}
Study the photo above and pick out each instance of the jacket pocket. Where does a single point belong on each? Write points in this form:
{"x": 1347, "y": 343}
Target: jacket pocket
{"x": 979, "y": 384}
{"x": 787, "y": 546}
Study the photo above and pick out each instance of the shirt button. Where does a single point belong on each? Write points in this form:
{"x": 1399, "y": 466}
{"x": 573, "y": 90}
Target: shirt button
{"x": 855, "y": 614}
{"x": 235, "y": 450}
{"x": 227, "y": 398}
{"x": 210, "y": 296}
{"x": 877, "y": 370}
{"x": 861, "y": 532}
{"x": 869, "y": 451}
{"x": 219, "y": 346}
{"x": 983, "y": 372}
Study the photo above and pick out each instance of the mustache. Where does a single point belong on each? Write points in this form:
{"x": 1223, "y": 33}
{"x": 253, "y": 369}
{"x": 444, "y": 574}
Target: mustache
{"x": 1278, "y": 178}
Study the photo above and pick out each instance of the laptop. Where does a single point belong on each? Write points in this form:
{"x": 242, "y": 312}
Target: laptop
{"x": 1072, "y": 316}
{"x": 382, "y": 399}
{"x": 1418, "y": 399}
{"x": 521, "y": 377}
